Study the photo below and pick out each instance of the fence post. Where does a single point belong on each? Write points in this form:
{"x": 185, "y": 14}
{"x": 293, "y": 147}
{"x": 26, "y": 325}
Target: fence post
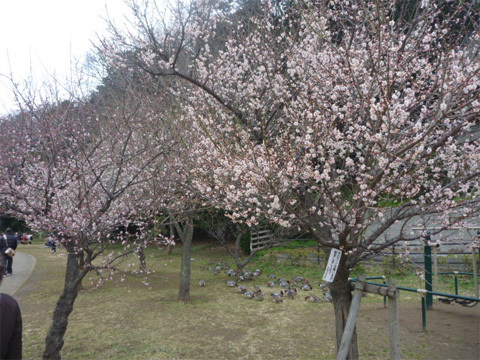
{"x": 435, "y": 269}
{"x": 385, "y": 297}
{"x": 394, "y": 326}
{"x": 428, "y": 272}
{"x": 456, "y": 282}
{"x": 424, "y": 313}
{"x": 475, "y": 267}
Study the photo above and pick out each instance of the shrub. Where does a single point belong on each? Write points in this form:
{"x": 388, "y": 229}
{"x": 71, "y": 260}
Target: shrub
{"x": 397, "y": 266}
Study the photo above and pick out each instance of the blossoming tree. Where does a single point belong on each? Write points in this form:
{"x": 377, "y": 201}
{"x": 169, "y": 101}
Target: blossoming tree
{"x": 78, "y": 170}
{"x": 338, "y": 118}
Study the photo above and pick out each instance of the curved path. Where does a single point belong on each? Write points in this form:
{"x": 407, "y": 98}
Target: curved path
{"x": 23, "y": 265}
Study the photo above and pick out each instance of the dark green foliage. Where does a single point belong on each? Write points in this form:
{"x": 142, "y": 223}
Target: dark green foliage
{"x": 12, "y": 223}
{"x": 245, "y": 243}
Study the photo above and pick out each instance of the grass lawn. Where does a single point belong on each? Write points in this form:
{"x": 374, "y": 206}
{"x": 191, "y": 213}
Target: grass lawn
{"x": 131, "y": 320}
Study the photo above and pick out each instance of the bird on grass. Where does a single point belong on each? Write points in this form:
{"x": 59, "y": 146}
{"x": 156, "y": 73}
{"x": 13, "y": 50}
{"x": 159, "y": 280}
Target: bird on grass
{"x": 291, "y": 293}
{"x": 202, "y": 283}
{"x": 241, "y": 289}
{"x": 306, "y": 287}
{"x": 247, "y": 275}
{"x": 277, "y": 294}
{"x": 297, "y": 280}
{"x": 313, "y": 298}
{"x": 231, "y": 272}
{"x": 324, "y": 286}
{"x": 277, "y": 299}
{"x": 249, "y": 294}
{"x": 214, "y": 271}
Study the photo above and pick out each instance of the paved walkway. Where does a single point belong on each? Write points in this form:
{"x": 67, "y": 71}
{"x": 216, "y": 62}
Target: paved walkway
{"x": 23, "y": 265}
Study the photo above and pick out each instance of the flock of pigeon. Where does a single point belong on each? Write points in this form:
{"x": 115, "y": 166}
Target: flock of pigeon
{"x": 289, "y": 289}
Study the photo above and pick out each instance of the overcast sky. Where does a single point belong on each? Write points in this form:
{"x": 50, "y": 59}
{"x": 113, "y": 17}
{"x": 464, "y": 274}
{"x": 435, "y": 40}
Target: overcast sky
{"x": 42, "y": 36}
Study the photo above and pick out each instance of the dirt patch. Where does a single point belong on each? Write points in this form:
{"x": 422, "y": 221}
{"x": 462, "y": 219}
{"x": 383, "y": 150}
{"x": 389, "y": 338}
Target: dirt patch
{"x": 452, "y": 331}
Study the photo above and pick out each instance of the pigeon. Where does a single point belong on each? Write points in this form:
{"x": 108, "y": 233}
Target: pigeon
{"x": 231, "y": 272}
{"x": 247, "y": 275}
{"x": 328, "y": 296}
{"x": 241, "y": 289}
{"x": 291, "y": 292}
{"x": 277, "y": 299}
{"x": 313, "y": 298}
{"x": 202, "y": 283}
{"x": 231, "y": 283}
{"x": 271, "y": 284}
{"x": 249, "y": 294}
{"x": 257, "y": 273}
{"x": 257, "y": 289}
{"x": 306, "y": 287}
{"x": 214, "y": 271}
{"x": 298, "y": 280}
{"x": 260, "y": 296}
{"x": 277, "y": 294}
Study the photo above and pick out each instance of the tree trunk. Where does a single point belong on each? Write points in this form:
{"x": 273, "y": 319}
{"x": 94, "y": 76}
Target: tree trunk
{"x": 172, "y": 235}
{"x": 81, "y": 263}
{"x": 73, "y": 278}
{"x": 186, "y": 235}
{"x": 142, "y": 260}
{"x": 342, "y": 299}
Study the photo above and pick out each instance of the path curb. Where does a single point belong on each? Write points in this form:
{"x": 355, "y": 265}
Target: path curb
{"x": 23, "y": 265}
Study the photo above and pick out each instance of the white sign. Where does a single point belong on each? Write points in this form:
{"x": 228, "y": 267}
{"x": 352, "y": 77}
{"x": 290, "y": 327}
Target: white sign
{"x": 332, "y": 265}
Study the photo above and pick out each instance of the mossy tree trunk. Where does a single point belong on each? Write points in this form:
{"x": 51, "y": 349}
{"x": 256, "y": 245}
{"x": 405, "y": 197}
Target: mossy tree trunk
{"x": 186, "y": 235}
{"x": 74, "y": 274}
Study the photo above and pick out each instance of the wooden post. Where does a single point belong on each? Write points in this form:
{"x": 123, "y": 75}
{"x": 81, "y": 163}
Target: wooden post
{"x": 424, "y": 312}
{"x": 427, "y": 250}
{"x": 456, "y": 282}
{"x": 475, "y": 271}
{"x": 394, "y": 324}
{"x": 384, "y": 296}
{"x": 352, "y": 318}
